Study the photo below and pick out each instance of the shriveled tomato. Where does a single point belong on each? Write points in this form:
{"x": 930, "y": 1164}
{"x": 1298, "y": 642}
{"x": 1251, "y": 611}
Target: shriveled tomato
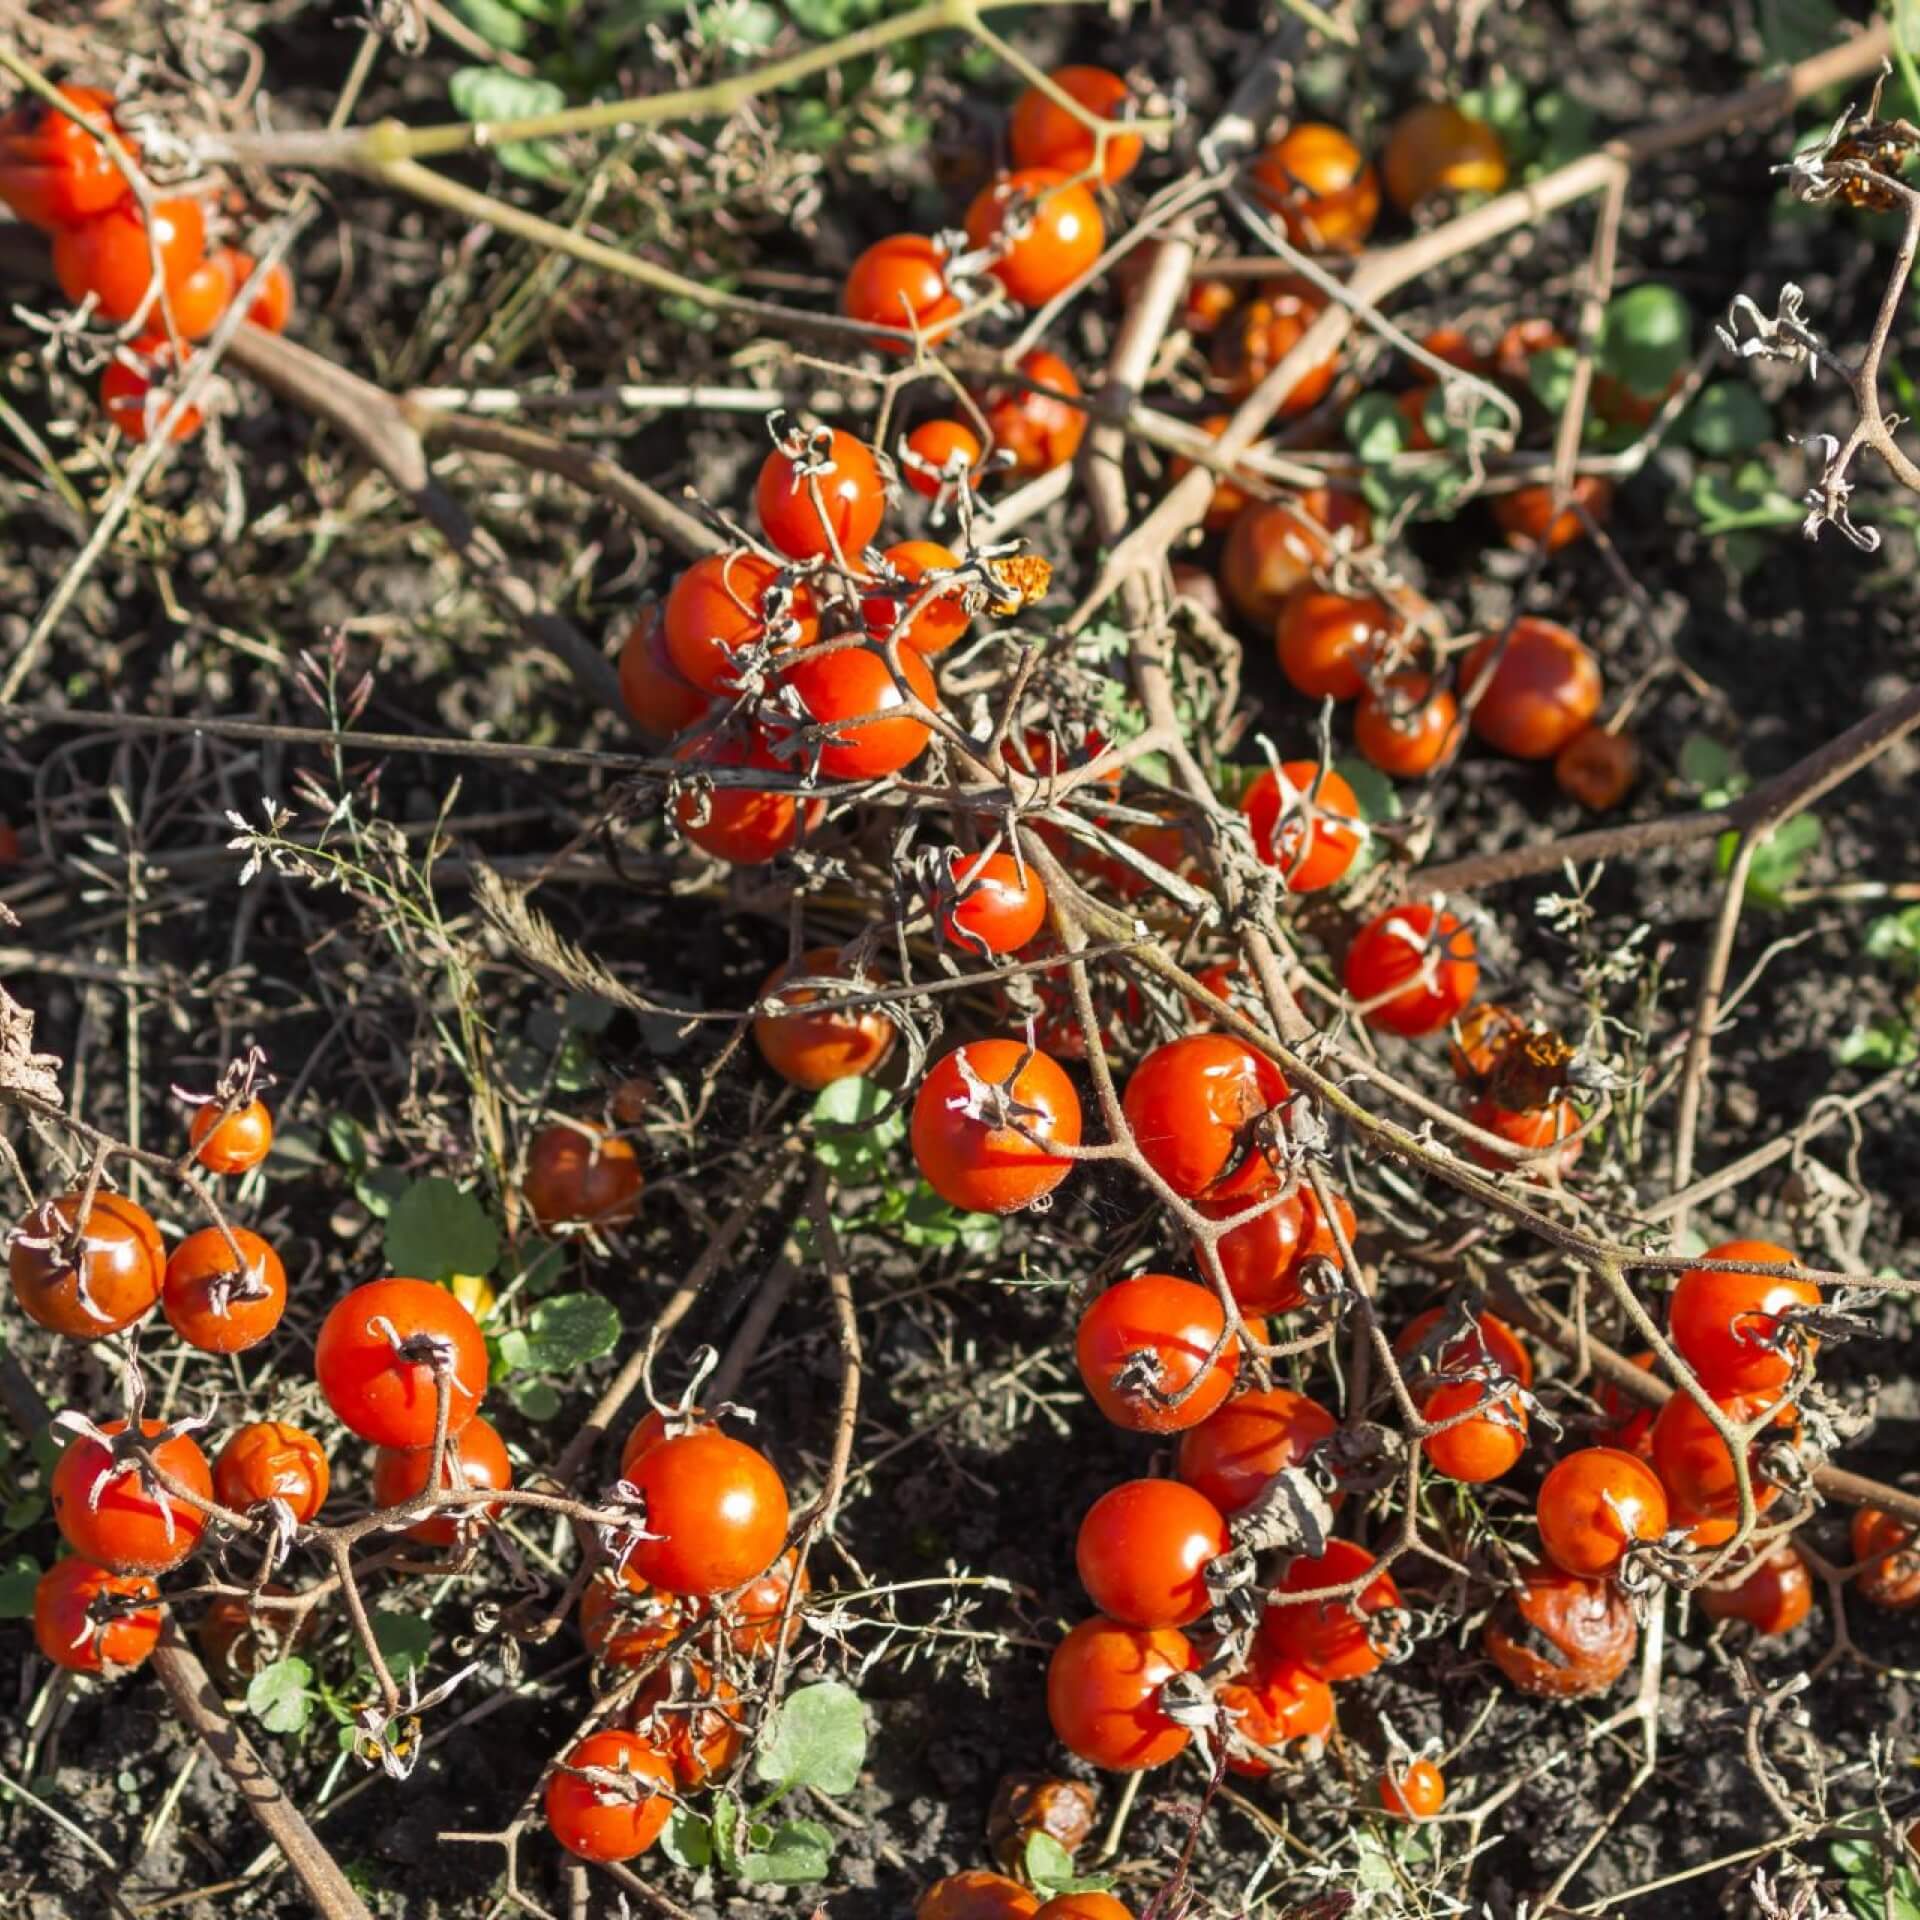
{"x": 813, "y": 1049}
{"x": 1321, "y": 185}
{"x": 1149, "y": 1340}
{"x": 1561, "y": 1637}
{"x": 476, "y": 1458}
{"x": 1597, "y": 768}
{"x": 1043, "y": 133}
{"x": 270, "y": 1460}
{"x": 965, "y": 1117}
{"x": 582, "y": 1175}
{"x": 1196, "y": 1107}
{"x": 1331, "y": 1638}
{"x": 692, "y": 1715}
{"x": 92, "y": 1284}
{"x": 1411, "y": 969}
{"x": 1731, "y": 1328}
{"x": 1103, "y": 1693}
{"x": 1043, "y": 229}
{"x": 1274, "y": 1703}
{"x": 220, "y": 1304}
{"x": 1305, "y": 821}
{"x": 1529, "y": 1128}
{"x": 1143, "y": 1550}
{"x": 1544, "y": 688}
{"x": 1232, "y": 1454}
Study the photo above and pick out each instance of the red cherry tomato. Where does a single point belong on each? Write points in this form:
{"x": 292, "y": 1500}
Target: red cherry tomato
{"x": 1150, "y": 1338}
{"x": 109, "y": 1282}
{"x": 1411, "y": 969}
{"x": 976, "y": 1895}
{"x": 1561, "y": 1637}
{"x": 1263, "y": 334}
{"x": 813, "y": 1050}
{"x": 380, "y": 1352}
{"x": 1083, "y": 1906}
{"x": 1629, "y": 1420}
{"x": 936, "y": 616}
{"x": 1486, "y": 1338}
{"x": 660, "y": 699}
{"x": 1232, "y": 1454}
{"x": 1260, "y": 1258}
{"x": 1326, "y": 641}
{"x": 692, "y": 1715}
{"x": 1407, "y": 728}
{"x": 1320, "y": 184}
{"x": 1103, "y": 1693}
{"x": 1773, "y": 1598}
{"x": 1331, "y": 1638}
{"x": 483, "y": 1462}
{"x": 1273, "y": 1704}
{"x": 1529, "y": 1128}
{"x": 198, "y": 299}
{"x": 1042, "y": 133}
{"x": 1416, "y": 1791}
{"x": 1729, "y": 1327}
{"x": 1545, "y": 689}
{"x": 757, "y": 1609}
{"x": 624, "y": 1622}
{"x": 272, "y": 306}
{"x": 964, "y": 1152}
{"x": 852, "y": 692}
{"x": 1594, "y": 1505}
{"x": 1694, "y": 1463}
{"x": 1271, "y": 550}
{"x": 1035, "y": 424}
{"x": 1435, "y": 148}
{"x": 270, "y": 1460}
{"x": 725, "y": 603}
{"x": 1476, "y": 1450}
{"x": 126, "y": 390}
{"x": 111, "y": 256}
{"x": 745, "y": 826}
{"x": 811, "y": 473}
{"x": 1891, "y": 1576}
{"x": 1193, "y": 1106}
{"x": 217, "y": 1306}
{"x": 1000, "y": 905}
{"x": 945, "y": 454}
{"x": 719, "y": 1508}
{"x": 611, "y": 1822}
{"x": 1044, "y": 229}
{"x": 901, "y": 281}
{"x": 53, "y": 172}
{"x": 580, "y": 1175}
{"x": 231, "y": 1142}
{"x": 1143, "y": 1551}
{"x": 111, "y": 1514}
{"x": 1297, "y": 821}
{"x": 76, "y": 1624}
{"x": 1527, "y": 517}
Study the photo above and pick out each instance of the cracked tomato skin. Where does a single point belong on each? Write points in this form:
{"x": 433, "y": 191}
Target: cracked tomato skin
{"x": 1329, "y": 1637}
{"x": 1143, "y": 1550}
{"x": 64, "y": 1631}
{"x": 1176, "y": 1324}
{"x": 1190, "y": 1105}
{"x": 719, "y": 1507}
{"x": 121, "y": 1267}
{"x": 107, "y": 1515}
{"x": 1103, "y": 1693}
{"x": 188, "y": 1291}
{"x": 1275, "y": 1702}
{"x": 382, "y": 1395}
{"x": 1039, "y": 428}
{"x": 603, "y": 1826}
{"x": 399, "y": 1475}
{"x": 1560, "y": 1637}
{"x": 980, "y": 1167}
{"x": 270, "y": 1460}
{"x": 1725, "y": 1324}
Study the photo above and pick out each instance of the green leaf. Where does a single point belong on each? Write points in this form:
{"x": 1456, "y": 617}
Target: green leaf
{"x": 687, "y": 1840}
{"x": 22, "y": 1511}
{"x": 403, "y": 1640}
{"x": 1376, "y": 429}
{"x": 1895, "y": 938}
{"x": 863, "y": 1150}
{"x": 818, "y": 1738}
{"x": 485, "y": 94}
{"x": 1049, "y": 1865}
{"x": 378, "y": 1189}
{"x": 1646, "y": 337}
{"x": 1729, "y": 418}
{"x": 435, "y": 1231}
{"x": 1790, "y": 30}
{"x": 496, "y": 23}
{"x": 1706, "y": 764}
{"x": 1776, "y": 861}
{"x": 1886, "y": 1042}
{"x": 533, "y": 1397}
{"x": 1564, "y": 131}
{"x": 19, "y": 1575}
{"x": 278, "y": 1697}
{"x": 1375, "y": 792}
{"x": 348, "y": 1139}
{"x": 797, "y": 1853}
{"x": 1550, "y": 376}
{"x": 725, "y": 1831}
{"x": 570, "y": 1330}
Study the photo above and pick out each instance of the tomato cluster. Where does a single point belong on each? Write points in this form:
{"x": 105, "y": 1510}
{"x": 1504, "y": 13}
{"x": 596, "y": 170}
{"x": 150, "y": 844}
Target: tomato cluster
{"x": 140, "y": 263}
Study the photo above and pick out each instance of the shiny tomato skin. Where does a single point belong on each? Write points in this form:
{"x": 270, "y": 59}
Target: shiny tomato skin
{"x": 1408, "y": 728}
{"x": 1058, "y": 232}
{"x": 1329, "y": 1637}
{"x": 1494, "y": 1341}
{"x": 1042, "y": 133}
{"x": 1326, "y": 641}
{"x": 1694, "y": 1463}
{"x": 901, "y": 281}
{"x": 1001, "y": 905}
{"x": 1892, "y": 1580}
{"x": 1261, "y": 1257}
{"x": 231, "y": 1142}
{"x": 272, "y": 306}
{"x": 1175, "y": 1321}
{"x": 717, "y": 609}
{"x": 1298, "y": 819}
{"x": 1232, "y": 1454}
{"x": 196, "y": 1299}
{"x": 1477, "y": 1450}
{"x": 1436, "y": 148}
{"x": 976, "y": 1895}
{"x": 109, "y": 1515}
{"x": 270, "y": 1460}
{"x": 659, "y": 698}
{"x": 1385, "y": 963}
{"x": 1728, "y": 1326}
{"x": 399, "y": 1474}
{"x": 578, "y": 1174}
{"x": 720, "y": 1509}
{"x": 1143, "y": 1550}
{"x": 1415, "y": 1792}
{"x": 1321, "y": 185}
{"x": 847, "y": 685}
{"x": 1594, "y": 1504}
{"x": 381, "y": 1394}
{"x": 126, "y": 391}
{"x": 1083, "y": 1906}
{"x": 934, "y": 626}
{"x": 1103, "y": 1686}
{"x": 813, "y": 1050}
{"x": 65, "y": 1632}
{"x": 111, "y": 257}
{"x": 1545, "y": 689}
{"x": 744, "y": 826}
{"x": 601, "y": 1826}
{"x": 119, "y": 1269}
{"x": 1191, "y": 1104}
{"x": 975, "y": 1164}
{"x": 1272, "y": 549}
{"x": 1271, "y": 1705}
{"x": 950, "y": 448}
{"x": 852, "y": 495}
{"x": 55, "y": 174}
{"x": 1772, "y": 1597}
{"x": 1038, "y": 425}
